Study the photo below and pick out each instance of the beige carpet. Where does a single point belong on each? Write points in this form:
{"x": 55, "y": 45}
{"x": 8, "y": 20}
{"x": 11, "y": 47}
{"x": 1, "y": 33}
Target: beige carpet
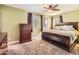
{"x": 39, "y": 47}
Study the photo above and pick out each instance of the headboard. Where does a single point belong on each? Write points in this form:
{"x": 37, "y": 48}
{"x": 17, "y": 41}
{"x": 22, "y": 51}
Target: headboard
{"x": 74, "y": 24}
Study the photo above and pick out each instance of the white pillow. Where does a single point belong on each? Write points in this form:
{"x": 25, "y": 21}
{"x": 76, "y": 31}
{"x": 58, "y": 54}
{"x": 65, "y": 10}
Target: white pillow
{"x": 58, "y": 28}
{"x": 68, "y": 27}
{"x": 65, "y": 27}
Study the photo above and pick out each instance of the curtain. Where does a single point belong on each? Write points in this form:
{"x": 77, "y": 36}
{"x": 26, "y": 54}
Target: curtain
{"x": 52, "y": 23}
{"x": 61, "y": 19}
{"x": 30, "y": 20}
{"x": 41, "y": 22}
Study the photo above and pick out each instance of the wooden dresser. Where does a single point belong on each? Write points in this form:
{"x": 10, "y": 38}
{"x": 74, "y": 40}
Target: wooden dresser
{"x": 25, "y": 33}
{"x": 3, "y": 43}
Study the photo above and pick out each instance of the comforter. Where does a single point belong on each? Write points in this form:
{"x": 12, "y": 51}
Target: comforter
{"x": 71, "y": 34}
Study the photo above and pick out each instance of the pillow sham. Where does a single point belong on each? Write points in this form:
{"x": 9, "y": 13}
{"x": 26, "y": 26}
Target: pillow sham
{"x": 65, "y": 27}
{"x": 68, "y": 27}
{"x": 58, "y": 28}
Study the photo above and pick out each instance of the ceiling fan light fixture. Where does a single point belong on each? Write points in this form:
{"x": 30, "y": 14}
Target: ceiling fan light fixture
{"x": 51, "y": 8}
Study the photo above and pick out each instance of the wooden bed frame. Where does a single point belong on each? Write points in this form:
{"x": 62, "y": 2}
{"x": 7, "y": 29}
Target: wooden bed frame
{"x": 70, "y": 47}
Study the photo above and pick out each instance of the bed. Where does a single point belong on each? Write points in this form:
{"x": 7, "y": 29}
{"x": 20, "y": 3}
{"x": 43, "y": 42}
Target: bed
{"x": 65, "y": 35}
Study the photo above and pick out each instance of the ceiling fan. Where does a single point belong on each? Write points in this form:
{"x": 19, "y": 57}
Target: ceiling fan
{"x": 51, "y": 8}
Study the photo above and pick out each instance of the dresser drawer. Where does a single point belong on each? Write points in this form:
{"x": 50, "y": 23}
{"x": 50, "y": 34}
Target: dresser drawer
{"x": 26, "y": 39}
{"x": 25, "y": 29}
{"x": 25, "y": 32}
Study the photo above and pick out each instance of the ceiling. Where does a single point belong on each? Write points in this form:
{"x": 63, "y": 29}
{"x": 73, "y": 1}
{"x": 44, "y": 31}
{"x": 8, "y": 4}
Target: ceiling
{"x": 38, "y": 8}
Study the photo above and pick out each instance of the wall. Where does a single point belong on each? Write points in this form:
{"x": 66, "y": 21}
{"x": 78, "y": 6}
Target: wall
{"x": 72, "y": 16}
{"x": 0, "y": 19}
{"x": 11, "y": 18}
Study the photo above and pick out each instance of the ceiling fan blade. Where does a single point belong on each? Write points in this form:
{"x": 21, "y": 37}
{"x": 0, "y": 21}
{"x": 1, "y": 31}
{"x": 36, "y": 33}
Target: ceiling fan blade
{"x": 45, "y": 10}
{"x": 56, "y": 9}
{"x": 45, "y": 7}
{"x": 55, "y": 6}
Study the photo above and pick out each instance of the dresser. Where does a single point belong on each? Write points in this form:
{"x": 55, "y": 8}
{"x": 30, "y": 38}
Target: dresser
{"x": 3, "y": 43}
{"x": 25, "y": 33}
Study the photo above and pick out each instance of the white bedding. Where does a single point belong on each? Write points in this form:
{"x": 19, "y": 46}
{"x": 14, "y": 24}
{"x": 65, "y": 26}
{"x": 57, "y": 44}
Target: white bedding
{"x": 72, "y": 34}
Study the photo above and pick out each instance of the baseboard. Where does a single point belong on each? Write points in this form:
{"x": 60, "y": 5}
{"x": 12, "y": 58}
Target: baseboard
{"x": 14, "y": 42}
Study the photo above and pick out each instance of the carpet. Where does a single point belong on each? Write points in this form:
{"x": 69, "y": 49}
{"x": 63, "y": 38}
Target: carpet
{"x": 39, "y": 47}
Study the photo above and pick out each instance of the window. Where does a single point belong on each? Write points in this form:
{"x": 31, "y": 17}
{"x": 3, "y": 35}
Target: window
{"x": 46, "y": 23}
{"x": 36, "y": 23}
{"x": 57, "y": 20}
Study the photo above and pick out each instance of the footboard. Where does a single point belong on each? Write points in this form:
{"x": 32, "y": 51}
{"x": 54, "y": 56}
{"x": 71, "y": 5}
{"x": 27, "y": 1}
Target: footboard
{"x": 58, "y": 40}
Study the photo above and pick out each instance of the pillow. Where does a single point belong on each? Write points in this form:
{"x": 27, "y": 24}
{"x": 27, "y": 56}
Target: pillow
{"x": 58, "y": 27}
{"x": 65, "y": 27}
{"x": 68, "y": 27}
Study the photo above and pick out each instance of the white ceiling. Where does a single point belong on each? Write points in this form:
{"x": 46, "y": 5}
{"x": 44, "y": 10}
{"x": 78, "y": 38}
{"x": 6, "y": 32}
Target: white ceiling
{"x": 38, "y": 8}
